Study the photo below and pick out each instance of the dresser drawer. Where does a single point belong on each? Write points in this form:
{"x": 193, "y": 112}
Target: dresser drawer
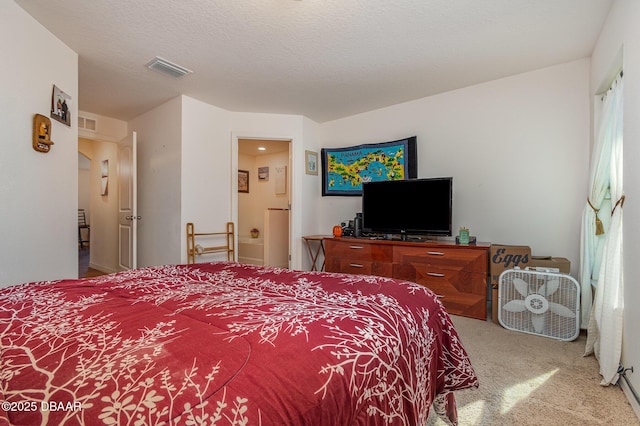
{"x": 469, "y": 260}
{"x": 442, "y": 281}
{"x": 360, "y": 267}
{"x": 356, "y": 250}
{"x": 462, "y": 293}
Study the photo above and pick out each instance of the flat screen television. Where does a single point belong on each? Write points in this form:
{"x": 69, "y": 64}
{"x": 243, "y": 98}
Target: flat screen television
{"x": 408, "y": 207}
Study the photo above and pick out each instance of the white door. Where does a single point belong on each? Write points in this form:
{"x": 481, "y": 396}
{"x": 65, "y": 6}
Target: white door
{"x": 127, "y": 203}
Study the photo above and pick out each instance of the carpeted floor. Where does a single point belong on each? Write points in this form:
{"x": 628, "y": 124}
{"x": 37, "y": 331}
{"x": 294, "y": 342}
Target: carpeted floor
{"x": 533, "y": 380}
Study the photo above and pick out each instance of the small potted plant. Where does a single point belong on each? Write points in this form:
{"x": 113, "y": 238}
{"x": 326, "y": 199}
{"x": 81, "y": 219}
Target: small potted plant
{"x": 255, "y": 233}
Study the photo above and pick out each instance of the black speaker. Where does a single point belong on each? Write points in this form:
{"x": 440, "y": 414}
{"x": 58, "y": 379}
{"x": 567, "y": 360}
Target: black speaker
{"x": 357, "y": 225}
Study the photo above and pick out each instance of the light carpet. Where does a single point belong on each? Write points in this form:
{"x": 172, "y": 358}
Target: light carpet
{"x": 533, "y": 380}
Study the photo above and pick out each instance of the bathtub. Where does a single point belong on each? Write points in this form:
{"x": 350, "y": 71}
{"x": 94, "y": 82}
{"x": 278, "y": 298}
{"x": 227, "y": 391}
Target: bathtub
{"x": 251, "y": 250}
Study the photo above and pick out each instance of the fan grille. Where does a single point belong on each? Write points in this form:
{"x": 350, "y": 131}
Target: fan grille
{"x": 541, "y": 303}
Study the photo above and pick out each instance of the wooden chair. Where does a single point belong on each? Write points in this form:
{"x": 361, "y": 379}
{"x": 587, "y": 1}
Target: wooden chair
{"x": 82, "y": 224}
{"x": 193, "y": 249}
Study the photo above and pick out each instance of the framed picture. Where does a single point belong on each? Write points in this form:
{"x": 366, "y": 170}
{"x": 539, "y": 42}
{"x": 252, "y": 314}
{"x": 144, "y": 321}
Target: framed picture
{"x": 60, "y": 106}
{"x": 345, "y": 169}
{"x": 104, "y": 185}
{"x": 243, "y": 181}
{"x": 104, "y": 176}
{"x": 263, "y": 173}
{"x": 311, "y": 162}
{"x": 281, "y": 180}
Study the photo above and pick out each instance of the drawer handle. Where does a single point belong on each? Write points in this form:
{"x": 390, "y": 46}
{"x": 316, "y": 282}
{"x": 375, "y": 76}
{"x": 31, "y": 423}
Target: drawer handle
{"x": 435, "y": 274}
{"x": 356, "y": 247}
{"x": 356, "y": 265}
{"x": 435, "y": 253}
{"x": 440, "y": 296}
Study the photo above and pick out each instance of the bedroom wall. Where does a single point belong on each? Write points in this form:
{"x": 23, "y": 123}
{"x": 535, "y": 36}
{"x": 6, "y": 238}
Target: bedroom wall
{"x": 107, "y": 129}
{"x": 619, "y": 44}
{"x": 517, "y": 149}
{"x": 206, "y": 170}
{"x": 159, "y": 134}
{"x": 38, "y": 212}
{"x": 310, "y": 187}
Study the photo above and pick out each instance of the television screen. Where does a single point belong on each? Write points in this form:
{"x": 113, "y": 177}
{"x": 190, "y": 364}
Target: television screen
{"x": 406, "y": 207}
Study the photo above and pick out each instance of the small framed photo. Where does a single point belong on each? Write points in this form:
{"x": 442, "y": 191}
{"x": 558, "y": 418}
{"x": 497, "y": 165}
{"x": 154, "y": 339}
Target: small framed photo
{"x": 60, "y": 106}
{"x": 263, "y": 173}
{"x": 243, "y": 181}
{"x": 311, "y": 162}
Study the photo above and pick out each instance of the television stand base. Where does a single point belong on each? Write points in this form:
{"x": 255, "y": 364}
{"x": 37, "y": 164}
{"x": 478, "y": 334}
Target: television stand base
{"x": 403, "y": 237}
{"x": 419, "y": 238}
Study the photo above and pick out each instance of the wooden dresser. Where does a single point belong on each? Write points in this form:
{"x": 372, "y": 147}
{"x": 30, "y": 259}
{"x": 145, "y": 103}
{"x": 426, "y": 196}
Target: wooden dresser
{"x": 456, "y": 273}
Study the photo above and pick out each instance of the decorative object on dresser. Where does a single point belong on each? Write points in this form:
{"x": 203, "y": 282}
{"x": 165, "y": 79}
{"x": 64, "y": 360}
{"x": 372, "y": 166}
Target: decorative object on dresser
{"x": 463, "y": 236}
{"x": 457, "y": 274}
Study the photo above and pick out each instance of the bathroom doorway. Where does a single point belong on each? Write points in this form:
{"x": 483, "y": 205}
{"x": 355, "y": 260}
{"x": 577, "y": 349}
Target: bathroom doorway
{"x": 264, "y": 203}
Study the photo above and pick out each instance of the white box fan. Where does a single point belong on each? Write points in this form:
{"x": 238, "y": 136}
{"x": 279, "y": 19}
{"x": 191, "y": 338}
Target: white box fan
{"x": 539, "y": 302}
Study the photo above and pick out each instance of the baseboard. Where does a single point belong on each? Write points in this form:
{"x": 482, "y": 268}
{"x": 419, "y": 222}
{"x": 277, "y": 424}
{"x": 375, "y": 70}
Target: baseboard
{"x": 632, "y": 400}
{"x": 101, "y": 268}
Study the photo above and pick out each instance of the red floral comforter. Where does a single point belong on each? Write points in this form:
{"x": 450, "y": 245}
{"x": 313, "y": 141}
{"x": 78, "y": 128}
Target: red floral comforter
{"x": 225, "y": 343}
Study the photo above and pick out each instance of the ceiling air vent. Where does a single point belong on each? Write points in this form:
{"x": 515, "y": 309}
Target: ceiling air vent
{"x": 168, "y": 68}
{"x": 87, "y": 123}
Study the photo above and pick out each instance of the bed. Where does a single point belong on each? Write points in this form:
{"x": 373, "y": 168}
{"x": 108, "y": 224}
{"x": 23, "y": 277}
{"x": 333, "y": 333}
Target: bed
{"x": 227, "y": 343}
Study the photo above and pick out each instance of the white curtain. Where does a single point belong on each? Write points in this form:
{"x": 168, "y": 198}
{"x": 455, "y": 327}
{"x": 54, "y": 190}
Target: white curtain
{"x": 601, "y": 249}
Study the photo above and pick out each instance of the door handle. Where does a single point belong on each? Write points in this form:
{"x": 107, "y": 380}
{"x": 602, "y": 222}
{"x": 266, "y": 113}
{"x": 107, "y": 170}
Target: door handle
{"x": 133, "y": 218}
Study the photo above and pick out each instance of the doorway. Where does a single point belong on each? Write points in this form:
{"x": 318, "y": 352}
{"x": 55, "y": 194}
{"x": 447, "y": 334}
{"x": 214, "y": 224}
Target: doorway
{"x": 263, "y": 206}
{"x": 98, "y": 195}
{"x": 84, "y": 208}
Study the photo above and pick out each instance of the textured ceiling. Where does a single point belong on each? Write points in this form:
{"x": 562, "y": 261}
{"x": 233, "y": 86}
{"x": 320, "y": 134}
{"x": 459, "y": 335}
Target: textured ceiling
{"x": 324, "y": 59}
